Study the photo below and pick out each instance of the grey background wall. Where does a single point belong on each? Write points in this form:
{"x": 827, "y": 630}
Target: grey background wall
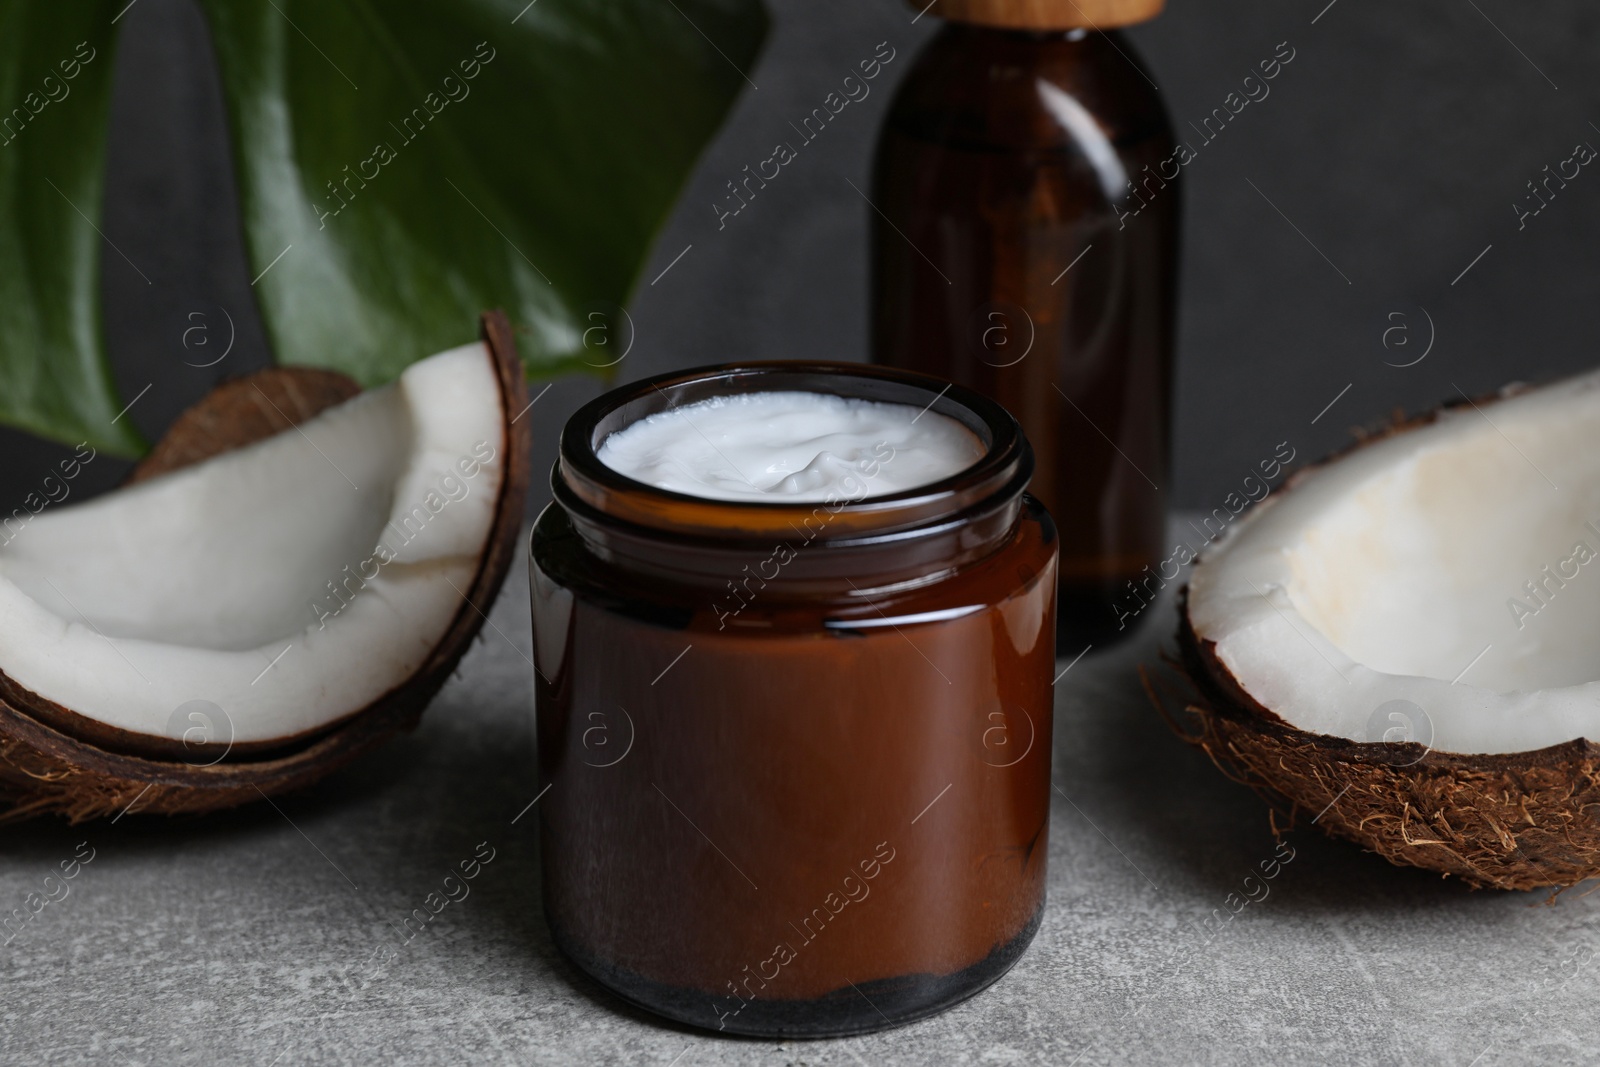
{"x": 1347, "y": 203}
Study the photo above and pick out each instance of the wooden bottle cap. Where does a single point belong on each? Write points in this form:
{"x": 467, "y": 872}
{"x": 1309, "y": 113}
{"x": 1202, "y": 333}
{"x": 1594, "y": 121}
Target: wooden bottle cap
{"x": 1046, "y": 14}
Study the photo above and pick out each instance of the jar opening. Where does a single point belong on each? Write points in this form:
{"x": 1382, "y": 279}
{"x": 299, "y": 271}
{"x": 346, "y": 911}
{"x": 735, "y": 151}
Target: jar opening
{"x": 583, "y": 482}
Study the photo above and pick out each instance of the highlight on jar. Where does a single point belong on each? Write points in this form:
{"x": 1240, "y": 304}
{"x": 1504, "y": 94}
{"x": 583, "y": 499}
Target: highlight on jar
{"x": 794, "y": 639}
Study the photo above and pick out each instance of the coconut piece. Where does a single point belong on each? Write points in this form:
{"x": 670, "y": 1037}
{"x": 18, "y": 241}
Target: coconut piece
{"x": 1358, "y": 654}
{"x": 243, "y": 411}
{"x": 240, "y": 620}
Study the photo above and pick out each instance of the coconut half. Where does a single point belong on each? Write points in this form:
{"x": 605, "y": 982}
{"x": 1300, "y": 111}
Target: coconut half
{"x": 287, "y": 579}
{"x": 1405, "y": 641}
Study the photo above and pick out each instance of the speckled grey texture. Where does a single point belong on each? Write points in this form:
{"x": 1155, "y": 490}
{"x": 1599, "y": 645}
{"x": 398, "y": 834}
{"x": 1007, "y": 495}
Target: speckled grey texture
{"x": 274, "y": 936}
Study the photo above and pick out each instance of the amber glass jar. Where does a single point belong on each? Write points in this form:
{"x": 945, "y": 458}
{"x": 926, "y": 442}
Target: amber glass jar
{"x": 797, "y": 755}
{"x": 1026, "y": 246}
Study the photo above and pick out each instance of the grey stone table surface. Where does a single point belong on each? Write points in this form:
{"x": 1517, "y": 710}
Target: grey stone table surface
{"x": 269, "y": 935}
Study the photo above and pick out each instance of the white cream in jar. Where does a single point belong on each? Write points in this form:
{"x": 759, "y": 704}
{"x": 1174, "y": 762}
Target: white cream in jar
{"x": 791, "y": 446}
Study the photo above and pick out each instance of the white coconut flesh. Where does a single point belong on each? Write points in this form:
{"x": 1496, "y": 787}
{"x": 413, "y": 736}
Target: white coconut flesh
{"x": 1395, "y": 574}
{"x": 290, "y": 583}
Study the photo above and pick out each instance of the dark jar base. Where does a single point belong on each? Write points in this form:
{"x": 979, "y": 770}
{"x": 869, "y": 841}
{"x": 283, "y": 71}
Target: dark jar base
{"x": 881, "y": 1004}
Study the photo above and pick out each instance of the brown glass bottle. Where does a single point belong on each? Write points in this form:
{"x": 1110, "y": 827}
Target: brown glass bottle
{"x": 1025, "y": 245}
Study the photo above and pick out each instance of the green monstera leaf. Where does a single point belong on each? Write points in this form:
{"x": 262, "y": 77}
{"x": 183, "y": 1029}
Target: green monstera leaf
{"x": 55, "y": 84}
{"x": 402, "y": 166}
{"x": 415, "y": 162}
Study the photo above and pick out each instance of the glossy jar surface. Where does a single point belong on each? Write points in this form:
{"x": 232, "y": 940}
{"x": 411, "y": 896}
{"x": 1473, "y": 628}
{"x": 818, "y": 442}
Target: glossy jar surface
{"x": 797, "y": 755}
{"x": 1026, "y": 246}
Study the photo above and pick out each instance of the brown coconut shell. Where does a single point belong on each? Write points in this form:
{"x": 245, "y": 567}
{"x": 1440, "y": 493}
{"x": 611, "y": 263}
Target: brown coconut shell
{"x": 1520, "y": 820}
{"x": 54, "y": 761}
{"x": 243, "y": 411}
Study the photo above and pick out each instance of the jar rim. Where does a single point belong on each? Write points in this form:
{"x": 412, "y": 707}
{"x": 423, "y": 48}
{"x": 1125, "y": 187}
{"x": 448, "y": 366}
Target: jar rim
{"x": 580, "y": 477}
